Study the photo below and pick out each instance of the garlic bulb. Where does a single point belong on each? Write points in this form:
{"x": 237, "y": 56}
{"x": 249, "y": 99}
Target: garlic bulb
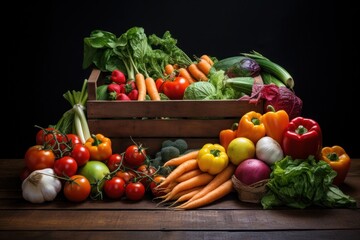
{"x": 41, "y": 186}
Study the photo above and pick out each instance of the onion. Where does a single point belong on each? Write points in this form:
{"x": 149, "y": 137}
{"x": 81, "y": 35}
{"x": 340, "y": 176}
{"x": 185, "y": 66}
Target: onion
{"x": 269, "y": 150}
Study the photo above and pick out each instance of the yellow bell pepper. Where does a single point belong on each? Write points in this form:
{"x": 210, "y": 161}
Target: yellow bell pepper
{"x": 99, "y": 147}
{"x": 212, "y": 158}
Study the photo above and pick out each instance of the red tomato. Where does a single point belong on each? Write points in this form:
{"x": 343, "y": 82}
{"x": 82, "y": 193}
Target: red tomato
{"x": 81, "y": 154}
{"x": 73, "y": 138}
{"x": 43, "y": 135}
{"x": 160, "y": 85}
{"x": 146, "y": 173}
{"x": 134, "y": 156}
{"x": 156, "y": 181}
{"x": 36, "y": 157}
{"x": 175, "y": 89}
{"x": 77, "y": 189}
{"x": 52, "y": 138}
{"x": 114, "y": 162}
{"x": 65, "y": 166}
{"x": 135, "y": 191}
{"x": 114, "y": 188}
{"x": 126, "y": 175}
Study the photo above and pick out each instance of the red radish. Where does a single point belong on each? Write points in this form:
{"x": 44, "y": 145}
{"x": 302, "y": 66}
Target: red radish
{"x": 113, "y": 87}
{"x": 123, "y": 97}
{"x": 252, "y": 170}
{"x": 118, "y": 77}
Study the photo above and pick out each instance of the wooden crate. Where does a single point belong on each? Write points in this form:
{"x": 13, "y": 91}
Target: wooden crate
{"x": 152, "y": 122}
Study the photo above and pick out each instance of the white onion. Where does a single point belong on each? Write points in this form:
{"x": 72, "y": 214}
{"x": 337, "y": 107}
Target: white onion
{"x": 269, "y": 150}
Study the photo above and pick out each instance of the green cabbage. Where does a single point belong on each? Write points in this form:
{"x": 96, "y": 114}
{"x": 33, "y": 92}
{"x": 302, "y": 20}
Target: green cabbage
{"x": 200, "y": 91}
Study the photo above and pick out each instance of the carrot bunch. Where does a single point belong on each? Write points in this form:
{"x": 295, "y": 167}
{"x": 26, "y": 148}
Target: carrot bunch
{"x": 187, "y": 187}
{"x": 195, "y": 71}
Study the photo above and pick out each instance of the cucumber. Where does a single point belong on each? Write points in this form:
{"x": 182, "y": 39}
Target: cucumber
{"x": 225, "y": 63}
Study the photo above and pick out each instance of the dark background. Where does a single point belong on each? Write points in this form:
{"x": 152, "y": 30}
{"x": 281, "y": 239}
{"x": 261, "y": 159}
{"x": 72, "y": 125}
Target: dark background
{"x": 315, "y": 41}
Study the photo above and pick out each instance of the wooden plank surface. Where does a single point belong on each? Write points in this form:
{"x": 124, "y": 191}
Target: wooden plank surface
{"x": 227, "y": 218}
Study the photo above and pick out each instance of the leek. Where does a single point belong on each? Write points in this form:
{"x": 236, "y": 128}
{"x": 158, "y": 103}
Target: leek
{"x": 74, "y": 120}
{"x": 273, "y": 68}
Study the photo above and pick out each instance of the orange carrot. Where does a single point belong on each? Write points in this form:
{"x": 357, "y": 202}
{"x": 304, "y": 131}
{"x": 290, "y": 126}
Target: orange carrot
{"x": 186, "y": 195}
{"x": 182, "y": 158}
{"x": 166, "y": 197}
{"x": 183, "y": 72}
{"x": 151, "y": 89}
{"x": 178, "y": 171}
{"x": 208, "y": 59}
{"x": 189, "y": 175}
{"x": 204, "y": 66}
{"x": 210, "y": 197}
{"x": 196, "y": 181}
{"x": 197, "y": 73}
{"x": 141, "y": 86}
{"x": 219, "y": 179}
{"x": 169, "y": 69}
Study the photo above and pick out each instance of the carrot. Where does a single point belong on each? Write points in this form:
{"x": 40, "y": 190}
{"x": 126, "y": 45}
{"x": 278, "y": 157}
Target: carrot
{"x": 151, "y": 89}
{"x": 167, "y": 198}
{"x": 183, "y": 72}
{"x": 178, "y": 171}
{"x": 169, "y": 69}
{"x": 210, "y": 197}
{"x": 208, "y": 59}
{"x": 219, "y": 179}
{"x": 196, "y": 181}
{"x": 141, "y": 86}
{"x": 189, "y": 175}
{"x": 186, "y": 195}
{"x": 182, "y": 158}
{"x": 204, "y": 66}
{"x": 197, "y": 73}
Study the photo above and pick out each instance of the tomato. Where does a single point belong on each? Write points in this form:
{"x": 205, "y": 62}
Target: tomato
{"x": 65, "y": 166}
{"x": 126, "y": 175}
{"x": 135, "y": 191}
{"x": 114, "y": 161}
{"x": 43, "y": 136}
{"x": 37, "y": 157}
{"x": 77, "y": 189}
{"x": 175, "y": 89}
{"x": 81, "y": 154}
{"x": 73, "y": 139}
{"x": 135, "y": 155}
{"x": 114, "y": 188}
{"x": 146, "y": 173}
{"x": 160, "y": 85}
{"x": 156, "y": 181}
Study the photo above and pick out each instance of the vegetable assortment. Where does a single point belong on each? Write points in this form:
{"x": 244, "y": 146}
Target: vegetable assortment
{"x": 68, "y": 157}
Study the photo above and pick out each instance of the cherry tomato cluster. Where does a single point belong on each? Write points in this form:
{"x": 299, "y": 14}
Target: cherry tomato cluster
{"x": 130, "y": 173}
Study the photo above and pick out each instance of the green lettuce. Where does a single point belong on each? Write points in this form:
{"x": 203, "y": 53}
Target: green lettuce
{"x": 301, "y": 183}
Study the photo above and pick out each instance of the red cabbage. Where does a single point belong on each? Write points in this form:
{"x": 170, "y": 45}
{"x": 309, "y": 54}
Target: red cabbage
{"x": 281, "y": 98}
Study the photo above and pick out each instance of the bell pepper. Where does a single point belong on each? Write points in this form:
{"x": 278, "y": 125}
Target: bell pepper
{"x": 302, "y": 138}
{"x": 212, "y": 158}
{"x": 99, "y": 147}
{"x": 251, "y": 126}
{"x": 227, "y": 135}
{"x": 275, "y": 123}
{"x": 338, "y": 160}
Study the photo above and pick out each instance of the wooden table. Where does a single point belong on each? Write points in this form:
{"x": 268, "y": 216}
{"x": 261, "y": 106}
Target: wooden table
{"x": 228, "y": 218}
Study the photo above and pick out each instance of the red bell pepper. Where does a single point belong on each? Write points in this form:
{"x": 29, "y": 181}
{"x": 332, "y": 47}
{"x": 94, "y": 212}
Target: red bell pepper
{"x": 302, "y": 137}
